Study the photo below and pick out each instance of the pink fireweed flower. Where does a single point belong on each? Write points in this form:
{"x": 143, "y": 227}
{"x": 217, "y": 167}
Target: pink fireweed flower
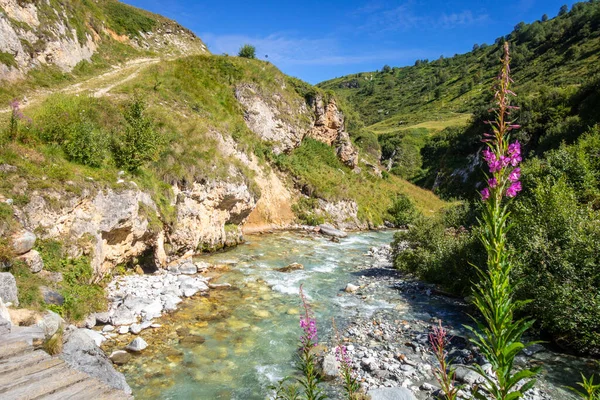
{"x": 492, "y": 182}
{"x": 308, "y": 324}
{"x": 489, "y": 156}
{"x": 485, "y": 194}
{"x": 495, "y": 166}
{"x": 515, "y": 160}
{"x": 514, "y": 175}
{"x": 515, "y": 188}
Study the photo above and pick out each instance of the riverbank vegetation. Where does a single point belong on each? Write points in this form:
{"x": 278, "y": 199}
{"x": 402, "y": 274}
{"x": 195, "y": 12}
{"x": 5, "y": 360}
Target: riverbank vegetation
{"x": 555, "y": 232}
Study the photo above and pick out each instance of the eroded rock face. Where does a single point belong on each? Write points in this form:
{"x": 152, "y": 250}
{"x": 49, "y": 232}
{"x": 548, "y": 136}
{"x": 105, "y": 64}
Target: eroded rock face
{"x": 343, "y": 214}
{"x": 209, "y": 215}
{"x": 8, "y": 288}
{"x": 35, "y": 38}
{"x": 272, "y": 118}
{"x": 110, "y": 226}
{"x": 329, "y": 128}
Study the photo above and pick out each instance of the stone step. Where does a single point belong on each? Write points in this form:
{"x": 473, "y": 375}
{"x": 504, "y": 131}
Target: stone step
{"x": 10, "y": 347}
{"x": 41, "y": 387}
{"x": 32, "y": 374}
{"x": 21, "y": 361}
{"x": 88, "y": 389}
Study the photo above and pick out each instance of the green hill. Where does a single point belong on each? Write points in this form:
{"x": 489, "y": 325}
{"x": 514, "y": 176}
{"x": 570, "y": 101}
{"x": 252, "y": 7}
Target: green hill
{"x": 561, "y": 51}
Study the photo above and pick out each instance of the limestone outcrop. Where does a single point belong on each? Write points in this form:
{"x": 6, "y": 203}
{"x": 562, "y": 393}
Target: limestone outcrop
{"x": 35, "y": 34}
{"x": 209, "y": 215}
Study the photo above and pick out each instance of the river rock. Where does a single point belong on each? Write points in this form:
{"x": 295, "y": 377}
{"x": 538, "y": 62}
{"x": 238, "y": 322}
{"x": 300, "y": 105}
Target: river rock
{"x": 123, "y": 329}
{"x": 329, "y": 230}
{"x": 108, "y": 328}
{"x": 290, "y": 268}
{"x": 192, "y": 339}
{"x": 5, "y": 326}
{"x": 34, "y": 261}
{"x": 50, "y": 323}
{"x": 120, "y": 357}
{"x": 220, "y": 286}
{"x": 51, "y": 296}
{"x": 8, "y": 288}
{"x": 23, "y": 241}
{"x": 188, "y": 268}
{"x": 330, "y": 367}
{"x": 135, "y": 328}
{"x": 102, "y": 317}
{"x": 192, "y": 286}
{"x": 350, "y": 288}
{"x": 81, "y": 352}
{"x": 170, "y": 302}
{"x": 393, "y": 393}
{"x": 138, "y": 344}
{"x": 152, "y": 310}
{"x": 466, "y": 375}
{"x": 95, "y": 336}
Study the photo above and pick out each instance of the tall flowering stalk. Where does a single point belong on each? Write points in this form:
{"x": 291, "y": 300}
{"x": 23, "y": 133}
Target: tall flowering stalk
{"x": 350, "y": 381}
{"x": 444, "y": 373}
{"x": 15, "y": 116}
{"x": 499, "y": 334}
{"x": 310, "y": 377}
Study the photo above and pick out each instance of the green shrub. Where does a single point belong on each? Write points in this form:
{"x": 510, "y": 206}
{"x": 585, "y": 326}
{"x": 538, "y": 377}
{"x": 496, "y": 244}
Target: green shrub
{"x": 127, "y": 20}
{"x": 140, "y": 140}
{"x": 85, "y": 144}
{"x": 439, "y": 254}
{"x": 403, "y": 211}
{"x": 247, "y": 51}
{"x": 305, "y": 211}
{"x": 555, "y": 241}
{"x": 81, "y": 296}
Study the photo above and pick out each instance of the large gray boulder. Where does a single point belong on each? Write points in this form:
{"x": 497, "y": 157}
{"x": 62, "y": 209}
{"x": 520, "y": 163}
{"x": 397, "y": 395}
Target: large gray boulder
{"x": 329, "y": 230}
{"x": 8, "y": 288}
{"x": 23, "y": 241}
{"x": 34, "y": 261}
{"x": 82, "y": 354}
{"x": 395, "y": 393}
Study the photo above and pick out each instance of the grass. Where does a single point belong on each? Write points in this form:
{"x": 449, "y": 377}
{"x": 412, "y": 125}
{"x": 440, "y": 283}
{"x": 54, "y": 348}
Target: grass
{"x": 319, "y": 171}
{"x": 8, "y": 60}
{"x": 440, "y": 122}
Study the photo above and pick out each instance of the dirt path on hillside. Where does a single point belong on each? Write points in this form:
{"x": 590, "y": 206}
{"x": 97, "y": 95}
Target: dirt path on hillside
{"x": 96, "y": 86}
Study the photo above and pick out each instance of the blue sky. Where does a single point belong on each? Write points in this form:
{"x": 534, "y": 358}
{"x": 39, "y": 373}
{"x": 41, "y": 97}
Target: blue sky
{"x": 320, "y": 40}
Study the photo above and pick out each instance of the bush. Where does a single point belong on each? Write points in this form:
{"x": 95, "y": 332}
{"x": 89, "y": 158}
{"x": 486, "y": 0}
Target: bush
{"x": 85, "y": 144}
{"x": 439, "y": 253}
{"x": 305, "y": 210}
{"x": 403, "y": 211}
{"x": 139, "y": 142}
{"x": 555, "y": 241}
{"x": 247, "y": 51}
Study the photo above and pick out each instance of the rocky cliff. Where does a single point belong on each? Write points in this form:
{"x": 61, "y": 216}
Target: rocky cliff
{"x": 63, "y": 34}
{"x": 285, "y": 123}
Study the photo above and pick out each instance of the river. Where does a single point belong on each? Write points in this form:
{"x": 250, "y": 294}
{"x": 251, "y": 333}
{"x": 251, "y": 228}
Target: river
{"x": 251, "y": 330}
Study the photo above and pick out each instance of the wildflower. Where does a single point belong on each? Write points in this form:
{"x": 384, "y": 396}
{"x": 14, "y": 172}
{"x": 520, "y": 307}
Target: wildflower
{"x": 514, "y": 189}
{"x": 485, "y": 194}
{"x": 492, "y": 182}
{"x": 489, "y": 156}
{"x": 514, "y": 175}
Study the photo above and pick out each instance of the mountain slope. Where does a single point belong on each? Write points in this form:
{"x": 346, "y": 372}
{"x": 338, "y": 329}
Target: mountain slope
{"x": 46, "y": 43}
{"x": 561, "y": 51}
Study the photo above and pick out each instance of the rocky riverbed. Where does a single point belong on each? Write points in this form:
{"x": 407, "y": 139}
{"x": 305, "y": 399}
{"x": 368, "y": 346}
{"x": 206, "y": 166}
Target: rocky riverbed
{"x": 238, "y": 332}
{"x": 387, "y": 351}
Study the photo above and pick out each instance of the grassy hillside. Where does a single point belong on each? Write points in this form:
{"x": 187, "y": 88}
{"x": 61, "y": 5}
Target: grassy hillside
{"x": 119, "y": 31}
{"x": 410, "y": 107}
{"x": 561, "y": 51}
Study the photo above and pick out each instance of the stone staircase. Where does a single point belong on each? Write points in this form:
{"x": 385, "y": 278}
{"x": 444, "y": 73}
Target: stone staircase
{"x": 27, "y": 374}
